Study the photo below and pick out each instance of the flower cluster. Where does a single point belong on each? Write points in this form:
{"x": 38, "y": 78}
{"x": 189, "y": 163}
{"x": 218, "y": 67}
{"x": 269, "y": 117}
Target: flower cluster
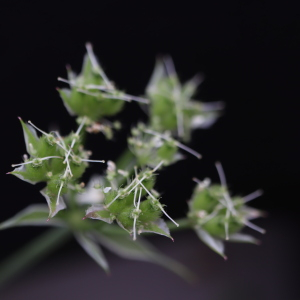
{"x": 172, "y": 106}
{"x": 150, "y": 146}
{"x": 215, "y": 216}
{"x": 58, "y": 161}
{"x": 125, "y": 205}
{"x": 123, "y": 202}
{"x": 91, "y": 93}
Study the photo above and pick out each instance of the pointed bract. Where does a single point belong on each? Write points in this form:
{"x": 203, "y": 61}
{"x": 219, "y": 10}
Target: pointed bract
{"x": 98, "y": 212}
{"x": 92, "y": 249}
{"x": 158, "y": 227}
{"x": 215, "y": 244}
{"x": 31, "y": 138}
{"x": 33, "y": 215}
{"x": 53, "y": 206}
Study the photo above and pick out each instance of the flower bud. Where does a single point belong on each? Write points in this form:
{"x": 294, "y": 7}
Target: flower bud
{"x": 171, "y": 107}
{"x": 91, "y": 94}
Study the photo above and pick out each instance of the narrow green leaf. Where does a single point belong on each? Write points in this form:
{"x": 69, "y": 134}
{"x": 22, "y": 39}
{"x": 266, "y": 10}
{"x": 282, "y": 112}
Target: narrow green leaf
{"x": 119, "y": 242}
{"x": 32, "y": 253}
{"x": 92, "y": 249}
{"x": 33, "y": 215}
{"x": 215, "y": 244}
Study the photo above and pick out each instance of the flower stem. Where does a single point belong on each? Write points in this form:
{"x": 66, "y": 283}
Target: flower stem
{"x": 32, "y": 253}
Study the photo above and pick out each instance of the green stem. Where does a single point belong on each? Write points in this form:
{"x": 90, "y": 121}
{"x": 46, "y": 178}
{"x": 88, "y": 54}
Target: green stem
{"x": 32, "y": 253}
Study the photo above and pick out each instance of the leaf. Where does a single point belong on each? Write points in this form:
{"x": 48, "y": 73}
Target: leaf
{"x": 119, "y": 242}
{"x": 215, "y": 244}
{"x": 99, "y": 213}
{"x": 33, "y": 215}
{"x": 92, "y": 249}
{"x": 243, "y": 238}
{"x": 54, "y": 208}
{"x": 158, "y": 227}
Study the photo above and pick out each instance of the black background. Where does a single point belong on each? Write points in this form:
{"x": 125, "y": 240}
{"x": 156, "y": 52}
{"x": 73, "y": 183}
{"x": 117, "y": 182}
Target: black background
{"x": 247, "y": 50}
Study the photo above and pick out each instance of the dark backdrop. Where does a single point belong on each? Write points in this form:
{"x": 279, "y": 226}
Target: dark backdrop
{"x": 247, "y": 50}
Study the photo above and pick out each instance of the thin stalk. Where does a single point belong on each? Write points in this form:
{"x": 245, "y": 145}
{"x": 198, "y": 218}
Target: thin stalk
{"x": 32, "y": 253}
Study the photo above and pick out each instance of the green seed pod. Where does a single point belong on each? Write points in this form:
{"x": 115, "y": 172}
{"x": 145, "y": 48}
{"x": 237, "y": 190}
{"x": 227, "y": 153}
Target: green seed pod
{"x": 47, "y": 146}
{"x": 109, "y": 107}
{"x": 54, "y": 185}
{"x": 148, "y": 212}
{"x": 164, "y": 114}
{"x": 119, "y": 204}
{"x": 78, "y": 167}
{"x": 148, "y": 184}
{"x": 94, "y": 105}
{"x": 57, "y": 166}
{"x": 205, "y": 199}
{"x": 125, "y": 218}
{"x": 215, "y": 226}
{"x": 68, "y": 140}
{"x": 167, "y": 151}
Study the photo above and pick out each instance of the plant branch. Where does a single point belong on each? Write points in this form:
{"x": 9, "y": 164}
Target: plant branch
{"x": 32, "y": 253}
